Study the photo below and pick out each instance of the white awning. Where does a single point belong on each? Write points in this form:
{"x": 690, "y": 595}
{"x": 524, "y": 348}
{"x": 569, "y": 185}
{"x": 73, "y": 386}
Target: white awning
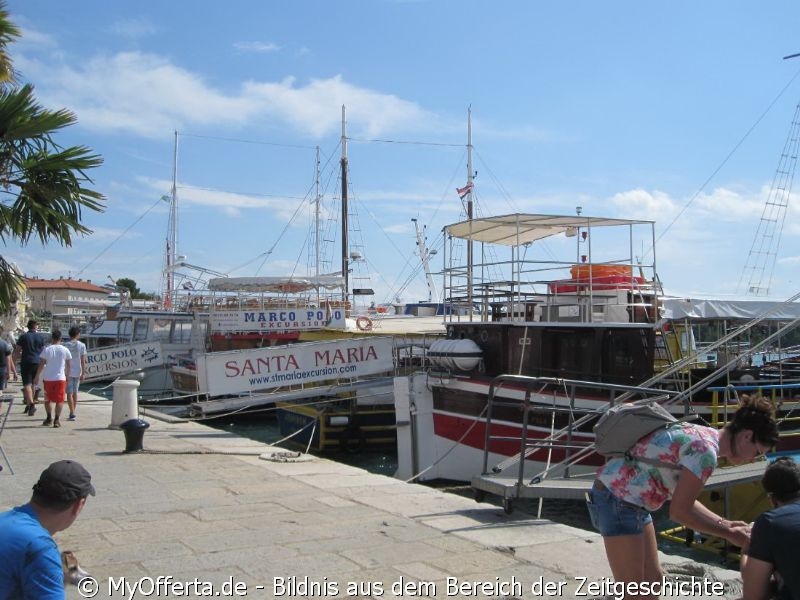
{"x": 518, "y": 229}
{"x": 709, "y": 308}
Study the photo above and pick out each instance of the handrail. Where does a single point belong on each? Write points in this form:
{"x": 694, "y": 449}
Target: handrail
{"x": 569, "y": 386}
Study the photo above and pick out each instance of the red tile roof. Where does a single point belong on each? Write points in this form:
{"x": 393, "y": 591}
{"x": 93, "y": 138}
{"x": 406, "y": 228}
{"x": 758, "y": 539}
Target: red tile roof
{"x": 64, "y": 284}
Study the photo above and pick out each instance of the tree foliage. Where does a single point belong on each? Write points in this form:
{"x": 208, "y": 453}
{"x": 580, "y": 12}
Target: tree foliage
{"x": 130, "y": 284}
{"x": 43, "y": 186}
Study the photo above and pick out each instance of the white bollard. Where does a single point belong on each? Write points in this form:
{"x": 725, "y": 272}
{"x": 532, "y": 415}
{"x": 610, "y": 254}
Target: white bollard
{"x": 125, "y": 402}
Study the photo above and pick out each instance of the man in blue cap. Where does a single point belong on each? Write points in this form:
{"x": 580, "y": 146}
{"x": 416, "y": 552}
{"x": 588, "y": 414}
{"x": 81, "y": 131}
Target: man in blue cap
{"x": 30, "y": 563}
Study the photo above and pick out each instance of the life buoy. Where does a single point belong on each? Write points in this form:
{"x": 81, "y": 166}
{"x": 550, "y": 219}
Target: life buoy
{"x": 364, "y": 323}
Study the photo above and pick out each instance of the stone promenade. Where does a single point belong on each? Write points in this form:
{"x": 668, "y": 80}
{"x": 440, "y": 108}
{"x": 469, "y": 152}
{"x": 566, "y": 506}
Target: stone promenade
{"x": 202, "y": 513}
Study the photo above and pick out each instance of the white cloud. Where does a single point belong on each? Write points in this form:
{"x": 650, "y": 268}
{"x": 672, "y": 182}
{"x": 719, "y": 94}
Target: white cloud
{"x": 232, "y": 204}
{"x": 315, "y": 107}
{"x": 259, "y": 47}
{"x": 35, "y": 39}
{"x": 400, "y": 228}
{"x": 44, "y": 268}
{"x": 146, "y": 95}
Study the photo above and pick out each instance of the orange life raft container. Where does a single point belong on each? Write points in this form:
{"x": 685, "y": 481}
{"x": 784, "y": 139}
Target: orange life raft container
{"x": 599, "y": 277}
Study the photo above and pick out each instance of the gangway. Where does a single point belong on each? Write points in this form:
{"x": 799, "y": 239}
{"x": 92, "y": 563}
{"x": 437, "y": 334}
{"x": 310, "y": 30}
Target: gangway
{"x": 501, "y": 480}
{"x": 509, "y": 479}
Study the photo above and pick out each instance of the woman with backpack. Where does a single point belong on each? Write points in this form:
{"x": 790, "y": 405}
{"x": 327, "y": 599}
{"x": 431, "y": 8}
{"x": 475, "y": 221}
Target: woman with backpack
{"x": 678, "y": 460}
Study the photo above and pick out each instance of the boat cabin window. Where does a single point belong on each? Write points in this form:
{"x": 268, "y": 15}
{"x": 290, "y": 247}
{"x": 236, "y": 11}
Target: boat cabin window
{"x": 182, "y": 332}
{"x": 570, "y": 354}
{"x": 161, "y": 329}
{"x": 124, "y": 329}
{"x": 140, "y": 330}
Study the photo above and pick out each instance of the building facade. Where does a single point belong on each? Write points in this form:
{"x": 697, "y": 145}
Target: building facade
{"x": 43, "y": 292}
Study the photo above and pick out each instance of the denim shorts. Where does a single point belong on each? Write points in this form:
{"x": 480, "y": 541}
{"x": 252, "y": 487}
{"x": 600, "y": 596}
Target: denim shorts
{"x": 72, "y": 384}
{"x": 612, "y": 516}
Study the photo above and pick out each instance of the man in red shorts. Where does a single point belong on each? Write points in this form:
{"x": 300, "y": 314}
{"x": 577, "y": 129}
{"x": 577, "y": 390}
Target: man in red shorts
{"x": 54, "y": 363}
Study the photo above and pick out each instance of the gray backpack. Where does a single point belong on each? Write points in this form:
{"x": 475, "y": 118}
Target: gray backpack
{"x": 622, "y": 425}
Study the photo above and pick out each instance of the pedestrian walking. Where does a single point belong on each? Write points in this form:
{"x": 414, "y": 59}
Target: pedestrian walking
{"x": 29, "y": 345}
{"x": 54, "y": 364}
{"x": 77, "y": 368}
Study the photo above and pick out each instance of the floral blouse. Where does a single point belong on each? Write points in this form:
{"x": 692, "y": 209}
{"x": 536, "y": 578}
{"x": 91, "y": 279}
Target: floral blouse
{"x": 694, "y": 447}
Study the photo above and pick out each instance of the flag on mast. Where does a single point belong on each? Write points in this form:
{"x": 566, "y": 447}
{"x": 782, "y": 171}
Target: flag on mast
{"x": 464, "y": 190}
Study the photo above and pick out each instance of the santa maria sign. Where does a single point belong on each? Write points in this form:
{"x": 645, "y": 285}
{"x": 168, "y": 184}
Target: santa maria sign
{"x": 240, "y": 371}
{"x": 113, "y": 361}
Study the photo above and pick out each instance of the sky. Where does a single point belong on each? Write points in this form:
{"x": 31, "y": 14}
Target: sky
{"x": 674, "y": 112}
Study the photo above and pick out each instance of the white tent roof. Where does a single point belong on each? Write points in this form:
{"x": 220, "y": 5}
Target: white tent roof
{"x": 519, "y": 228}
{"x": 709, "y": 308}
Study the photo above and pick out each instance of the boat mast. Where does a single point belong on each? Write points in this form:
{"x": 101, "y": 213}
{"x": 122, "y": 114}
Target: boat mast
{"x": 316, "y": 224}
{"x": 345, "y": 267}
{"x": 425, "y": 255}
{"x": 470, "y": 177}
{"x": 172, "y": 230}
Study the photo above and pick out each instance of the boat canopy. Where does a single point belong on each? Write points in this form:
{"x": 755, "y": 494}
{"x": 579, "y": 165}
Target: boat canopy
{"x": 707, "y": 308}
{"x": 289, "y": 285}
{"x": 96, "y": 303}
{"x": 519, "y": 228}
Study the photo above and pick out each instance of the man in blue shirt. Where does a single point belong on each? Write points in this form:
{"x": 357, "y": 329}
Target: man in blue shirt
{"x": 30, "y": 564}
{"x": 772, "y": 561}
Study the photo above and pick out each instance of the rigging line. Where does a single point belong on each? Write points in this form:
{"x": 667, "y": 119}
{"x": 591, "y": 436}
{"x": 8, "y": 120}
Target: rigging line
{"x": 416, "y": 270}
{"x": 442, "y": 200}
{"x": 269, "y": 251}
{"x": 286, "y": 225}
{"x": 497, "y": 182}
{"x": 405, "y": 142}
{"x": 244, "y": 141}
{"x": 729, "y": 155}
{"x": 383, "y": 231}
{"x": 448, "y": 188}
{"x": 116, "y": 239}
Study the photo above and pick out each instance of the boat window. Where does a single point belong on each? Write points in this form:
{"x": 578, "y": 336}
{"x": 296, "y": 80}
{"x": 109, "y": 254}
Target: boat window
{"x": 140, "y": 330}
{"x": 161, "y": 330}
{"x": 123, "y": 329}
{"x": 574, "y": 354}
{"x": 182, "y": 332}
{"x": 628, "y": 356}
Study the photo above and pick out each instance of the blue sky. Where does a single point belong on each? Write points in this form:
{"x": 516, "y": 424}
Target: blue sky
{"x": 676, "y": 112}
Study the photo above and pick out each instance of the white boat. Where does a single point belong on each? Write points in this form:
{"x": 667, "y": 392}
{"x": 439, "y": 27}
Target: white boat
{"x": 555, "y": 338}
{"x": 164, "y": 337}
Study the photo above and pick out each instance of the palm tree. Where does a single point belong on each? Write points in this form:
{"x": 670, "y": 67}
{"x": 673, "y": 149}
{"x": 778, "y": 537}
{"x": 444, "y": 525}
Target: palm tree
{"x": 8, "y": 33}
{"x": 42, "y": 184}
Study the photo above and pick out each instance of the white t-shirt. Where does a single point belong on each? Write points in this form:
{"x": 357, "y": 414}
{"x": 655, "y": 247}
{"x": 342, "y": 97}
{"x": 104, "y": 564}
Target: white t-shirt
{"x": 55, "y": 357}
{"x": 77, "y": 348}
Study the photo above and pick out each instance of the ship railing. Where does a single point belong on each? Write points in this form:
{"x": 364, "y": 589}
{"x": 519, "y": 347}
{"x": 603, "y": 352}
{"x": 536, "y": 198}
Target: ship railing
{"x": 725, "y": 401}
{"x": 535, "y": 390}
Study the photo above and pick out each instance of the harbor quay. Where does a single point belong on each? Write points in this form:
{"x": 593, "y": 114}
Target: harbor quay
{"x": 204, "y": 513}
